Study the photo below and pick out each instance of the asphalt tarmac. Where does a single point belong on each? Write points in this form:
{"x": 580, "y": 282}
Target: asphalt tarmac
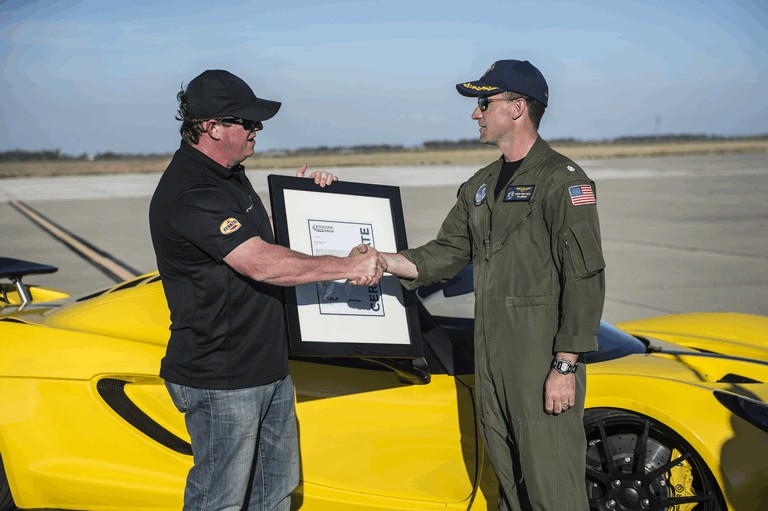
{"x": 680, "y": 234}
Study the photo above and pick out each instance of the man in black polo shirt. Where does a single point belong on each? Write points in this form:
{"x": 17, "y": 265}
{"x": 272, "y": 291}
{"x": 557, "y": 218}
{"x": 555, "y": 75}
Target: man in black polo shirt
{"x": 226, "y": 365}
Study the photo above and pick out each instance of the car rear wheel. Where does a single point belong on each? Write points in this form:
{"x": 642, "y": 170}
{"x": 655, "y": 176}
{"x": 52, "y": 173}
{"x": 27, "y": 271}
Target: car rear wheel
{"x": 6, "y": 499}
{"x": 636, "y": 463}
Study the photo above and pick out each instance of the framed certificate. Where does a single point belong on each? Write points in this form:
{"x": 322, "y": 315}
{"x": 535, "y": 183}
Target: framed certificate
{"x": 336, "y": 318}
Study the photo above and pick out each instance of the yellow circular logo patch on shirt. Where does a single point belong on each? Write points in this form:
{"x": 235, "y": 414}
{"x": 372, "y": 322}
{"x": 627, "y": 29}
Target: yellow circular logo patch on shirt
{"x": 229, "y": 226}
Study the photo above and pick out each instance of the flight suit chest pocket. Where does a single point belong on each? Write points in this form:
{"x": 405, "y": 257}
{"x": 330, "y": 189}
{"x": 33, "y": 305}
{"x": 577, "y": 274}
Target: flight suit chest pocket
{"x": 582, "y": 254}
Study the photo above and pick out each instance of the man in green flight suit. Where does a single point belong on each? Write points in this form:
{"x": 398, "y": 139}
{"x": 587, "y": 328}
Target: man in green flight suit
{"x": 528, "y": 222}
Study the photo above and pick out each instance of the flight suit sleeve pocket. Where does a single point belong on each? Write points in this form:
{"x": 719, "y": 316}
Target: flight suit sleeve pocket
{"x": 583, "y": 256}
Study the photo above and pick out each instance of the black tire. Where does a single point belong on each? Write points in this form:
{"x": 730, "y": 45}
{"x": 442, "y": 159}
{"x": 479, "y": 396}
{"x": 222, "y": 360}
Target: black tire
{"x": 6, "y": 499}
{"x": 632, "y": 464}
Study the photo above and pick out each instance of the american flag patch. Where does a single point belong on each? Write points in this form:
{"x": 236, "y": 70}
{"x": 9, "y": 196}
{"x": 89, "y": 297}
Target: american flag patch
{"x": 582, "y": 194}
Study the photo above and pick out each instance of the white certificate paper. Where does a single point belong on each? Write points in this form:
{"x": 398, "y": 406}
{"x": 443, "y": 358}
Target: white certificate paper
{"x": 328, "y": 237}
{"x": 337, "y": 312}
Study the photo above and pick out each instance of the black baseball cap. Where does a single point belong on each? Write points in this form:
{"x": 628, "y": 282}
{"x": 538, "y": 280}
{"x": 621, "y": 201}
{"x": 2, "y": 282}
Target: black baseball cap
{"x": 518, "y": 76}
{"x": 218, "y": 93}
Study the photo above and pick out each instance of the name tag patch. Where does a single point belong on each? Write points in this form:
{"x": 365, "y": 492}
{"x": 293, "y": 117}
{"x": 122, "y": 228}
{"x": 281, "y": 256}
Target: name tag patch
{"x": 519, "y": 193}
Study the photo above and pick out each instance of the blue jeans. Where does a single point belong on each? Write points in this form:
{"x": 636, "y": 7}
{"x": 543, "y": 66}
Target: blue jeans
{"x": 245, "y": 447}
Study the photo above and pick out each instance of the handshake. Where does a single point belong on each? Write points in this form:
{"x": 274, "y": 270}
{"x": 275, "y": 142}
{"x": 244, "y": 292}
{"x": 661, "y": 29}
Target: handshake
{"x": 367, "y": 266}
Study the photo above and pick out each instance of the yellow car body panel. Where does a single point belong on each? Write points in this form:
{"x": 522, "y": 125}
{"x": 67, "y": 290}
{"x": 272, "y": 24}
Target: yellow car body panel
{"x": 728, "y": 333}
{"x": 386, "y": 438}
{"x": 38, "y": 294}
{"x": 95, "y": 475}
{"x": 150, "y": 395}
{"x": 143, "y": 318}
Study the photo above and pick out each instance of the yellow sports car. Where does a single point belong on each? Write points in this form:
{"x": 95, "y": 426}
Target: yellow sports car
{"x": 86, "y": 424}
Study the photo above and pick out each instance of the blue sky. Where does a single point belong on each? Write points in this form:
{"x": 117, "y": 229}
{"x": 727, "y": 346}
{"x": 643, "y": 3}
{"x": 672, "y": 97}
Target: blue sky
{"x": 94, "y": 76}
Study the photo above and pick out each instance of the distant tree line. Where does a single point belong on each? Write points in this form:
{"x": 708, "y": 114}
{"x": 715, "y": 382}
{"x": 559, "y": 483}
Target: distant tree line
{"x": 640, "y": 139}
{"x": 21, "y": 155}
{"x": 57, "y": 155}
{"x": 356, "y": 149}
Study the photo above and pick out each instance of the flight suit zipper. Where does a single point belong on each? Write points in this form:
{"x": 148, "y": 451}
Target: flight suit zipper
{"x": 485, "y": 381}
{"x": 569, "y": 251}
{"x": 513, "y": 228}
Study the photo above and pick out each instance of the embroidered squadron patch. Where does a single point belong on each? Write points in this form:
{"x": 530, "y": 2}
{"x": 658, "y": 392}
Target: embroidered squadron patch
{"x": 229, "y": 226}
{"x": 582, "y": 194}
{"x": 480, "y": 194}
{"x": 519, "y": 193}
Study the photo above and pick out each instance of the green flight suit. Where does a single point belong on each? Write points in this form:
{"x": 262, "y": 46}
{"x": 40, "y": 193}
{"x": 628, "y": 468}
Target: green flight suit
{"x": 539, "y": 289}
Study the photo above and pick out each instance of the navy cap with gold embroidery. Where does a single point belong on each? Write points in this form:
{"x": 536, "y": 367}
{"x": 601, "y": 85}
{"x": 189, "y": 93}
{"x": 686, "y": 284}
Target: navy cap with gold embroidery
{"x": 518, "y": 76}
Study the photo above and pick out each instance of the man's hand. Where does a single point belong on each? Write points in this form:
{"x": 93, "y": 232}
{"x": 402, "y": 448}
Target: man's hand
{"x": 369, "y": 264}
{"x": 359, "y": 250}
{"x": 560, "y": 389}
{"x": 322, "y": 178}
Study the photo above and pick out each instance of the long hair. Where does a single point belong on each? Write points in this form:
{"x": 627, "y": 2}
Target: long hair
{"x": 190, "y": 129}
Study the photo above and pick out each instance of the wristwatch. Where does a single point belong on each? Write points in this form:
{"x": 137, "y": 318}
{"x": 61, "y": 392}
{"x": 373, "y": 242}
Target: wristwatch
{"x": 564, "y": 366}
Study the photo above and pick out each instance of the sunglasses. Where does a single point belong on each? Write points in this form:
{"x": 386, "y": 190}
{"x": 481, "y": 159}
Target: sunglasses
{"x": 483, "y": 103}
{"x": 245, "y": 123}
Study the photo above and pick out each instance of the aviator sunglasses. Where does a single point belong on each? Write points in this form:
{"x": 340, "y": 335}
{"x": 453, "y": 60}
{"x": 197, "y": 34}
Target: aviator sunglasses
{"x": 483, "y": 103}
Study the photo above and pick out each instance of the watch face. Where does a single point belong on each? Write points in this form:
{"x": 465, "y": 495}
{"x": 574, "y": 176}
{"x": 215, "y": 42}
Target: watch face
{"x": 564, "y": 367}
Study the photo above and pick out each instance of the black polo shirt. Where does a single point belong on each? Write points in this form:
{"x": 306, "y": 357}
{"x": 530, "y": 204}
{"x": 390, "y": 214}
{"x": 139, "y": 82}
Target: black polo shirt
{"x": 227, "y": 331}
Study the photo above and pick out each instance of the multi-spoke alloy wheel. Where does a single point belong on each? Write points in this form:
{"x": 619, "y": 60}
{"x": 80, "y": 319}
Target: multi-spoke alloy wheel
{"x": 636, "y": 463}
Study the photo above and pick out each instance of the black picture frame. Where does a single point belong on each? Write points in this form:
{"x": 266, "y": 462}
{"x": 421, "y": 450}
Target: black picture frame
{"x": 336, "y": 318}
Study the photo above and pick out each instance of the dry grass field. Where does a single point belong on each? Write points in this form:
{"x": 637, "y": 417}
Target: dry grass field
{"x": 415, "y": 157}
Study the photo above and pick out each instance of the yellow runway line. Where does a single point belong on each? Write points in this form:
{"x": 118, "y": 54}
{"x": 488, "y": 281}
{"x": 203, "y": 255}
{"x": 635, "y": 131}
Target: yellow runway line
{"x": 87, "y": 252}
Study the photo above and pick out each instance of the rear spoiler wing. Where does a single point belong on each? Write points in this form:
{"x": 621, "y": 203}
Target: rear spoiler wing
{"x": 16, "y": 269}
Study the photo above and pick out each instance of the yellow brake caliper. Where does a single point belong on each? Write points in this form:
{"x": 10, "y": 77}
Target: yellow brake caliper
{"x": 680, "y": 480}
